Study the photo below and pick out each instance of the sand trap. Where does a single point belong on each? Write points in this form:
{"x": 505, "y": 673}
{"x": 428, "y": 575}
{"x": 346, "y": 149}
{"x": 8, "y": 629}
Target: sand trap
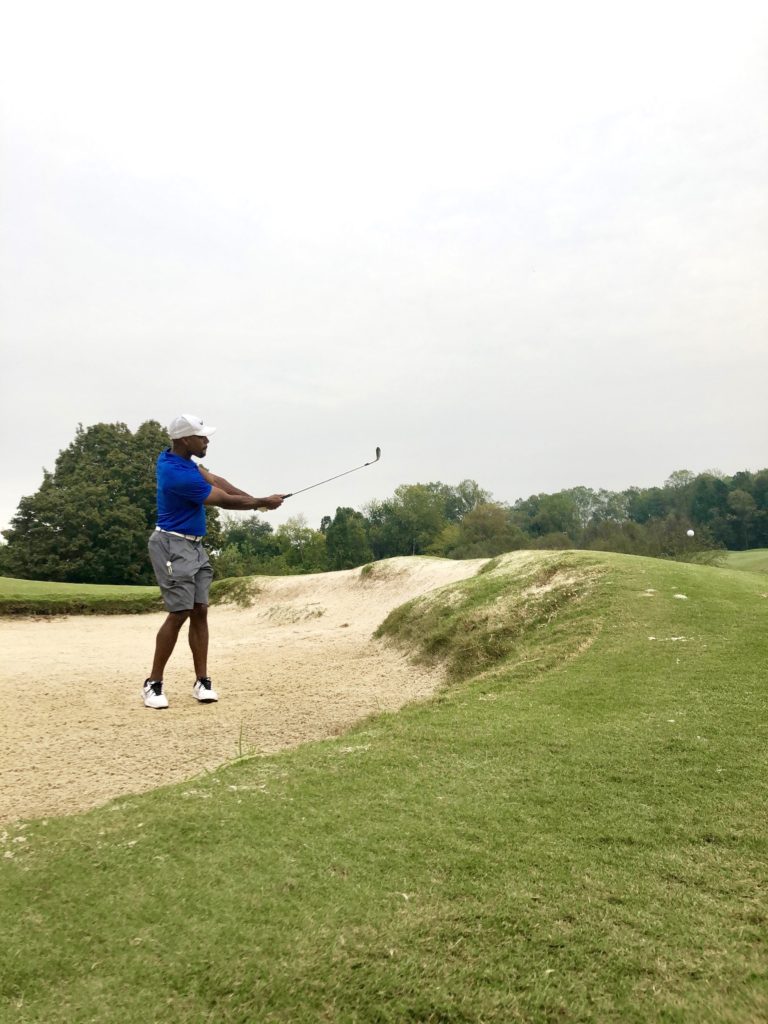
{"x": 298, "y": 665}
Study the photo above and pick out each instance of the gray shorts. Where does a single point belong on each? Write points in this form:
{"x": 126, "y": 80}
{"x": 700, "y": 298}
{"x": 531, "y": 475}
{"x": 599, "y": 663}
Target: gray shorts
{"x": 183, "y": 571}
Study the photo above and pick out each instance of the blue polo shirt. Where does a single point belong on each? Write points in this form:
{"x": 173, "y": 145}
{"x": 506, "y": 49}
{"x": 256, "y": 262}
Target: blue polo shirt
{"x": 181, "y": 491}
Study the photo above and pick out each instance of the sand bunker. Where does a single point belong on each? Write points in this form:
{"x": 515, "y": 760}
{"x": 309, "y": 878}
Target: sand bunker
{"x": 298, "y": 665}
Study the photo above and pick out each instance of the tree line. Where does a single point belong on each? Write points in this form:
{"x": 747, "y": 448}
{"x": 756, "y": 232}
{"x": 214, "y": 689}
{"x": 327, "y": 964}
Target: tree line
{"x": 89, "y": 520}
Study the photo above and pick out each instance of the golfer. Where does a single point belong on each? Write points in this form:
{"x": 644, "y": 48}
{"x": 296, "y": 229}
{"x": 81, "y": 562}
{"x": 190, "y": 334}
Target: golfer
{"x": 176, "y": 549}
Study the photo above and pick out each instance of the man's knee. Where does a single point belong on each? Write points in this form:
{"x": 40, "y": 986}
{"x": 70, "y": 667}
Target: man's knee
{"x": 177, "y": 619}
{"x": 200, "y": 612}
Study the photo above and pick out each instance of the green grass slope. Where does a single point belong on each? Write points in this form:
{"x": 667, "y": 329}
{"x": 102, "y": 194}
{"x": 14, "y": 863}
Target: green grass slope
{"x": 573, "y": 831}
{"x": 755, "y": 560}
{"x": 35, "y": 597}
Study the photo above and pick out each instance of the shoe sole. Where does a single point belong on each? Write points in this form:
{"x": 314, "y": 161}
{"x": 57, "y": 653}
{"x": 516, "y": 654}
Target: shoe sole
{"x": 206, "y": 700}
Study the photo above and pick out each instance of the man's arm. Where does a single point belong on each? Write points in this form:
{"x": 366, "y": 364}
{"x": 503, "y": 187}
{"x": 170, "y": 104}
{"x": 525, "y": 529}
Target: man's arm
{"x": 226, "y": 495}
{"x": 241, "y": 502}
{"x": 221, "y": 483}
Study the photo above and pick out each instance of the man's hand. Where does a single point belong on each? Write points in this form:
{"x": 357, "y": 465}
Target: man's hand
{"x": 272, "y": 502}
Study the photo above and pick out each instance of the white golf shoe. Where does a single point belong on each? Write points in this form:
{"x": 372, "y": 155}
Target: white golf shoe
{"x": 204, "y": 692}
{"x": 153, "y": 695}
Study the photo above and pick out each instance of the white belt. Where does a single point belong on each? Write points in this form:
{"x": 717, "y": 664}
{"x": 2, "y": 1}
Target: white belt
{"x": 186, "y": 536}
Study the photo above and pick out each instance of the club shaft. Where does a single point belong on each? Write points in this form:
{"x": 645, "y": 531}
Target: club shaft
{"x": 321, "y": 482}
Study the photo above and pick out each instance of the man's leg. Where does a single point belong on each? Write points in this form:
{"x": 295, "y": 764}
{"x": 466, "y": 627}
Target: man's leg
{"x": 165, "y": 642}
{"x": 202, "y": 691}
{"x": 198, "y": 639}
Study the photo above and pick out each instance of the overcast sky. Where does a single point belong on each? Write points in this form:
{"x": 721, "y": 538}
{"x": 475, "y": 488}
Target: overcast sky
{"x": 524, "y": 243}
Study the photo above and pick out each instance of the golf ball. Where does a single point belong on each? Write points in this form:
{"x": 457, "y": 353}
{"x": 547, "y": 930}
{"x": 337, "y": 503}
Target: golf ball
{"x": 689, "y": 533}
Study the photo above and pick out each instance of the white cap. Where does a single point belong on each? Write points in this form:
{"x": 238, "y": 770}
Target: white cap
{"x": 188, "y": 425}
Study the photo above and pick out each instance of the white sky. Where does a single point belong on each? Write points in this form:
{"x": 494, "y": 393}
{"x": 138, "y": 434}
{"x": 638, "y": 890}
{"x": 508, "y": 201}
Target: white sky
{"x": 525, "y": 243}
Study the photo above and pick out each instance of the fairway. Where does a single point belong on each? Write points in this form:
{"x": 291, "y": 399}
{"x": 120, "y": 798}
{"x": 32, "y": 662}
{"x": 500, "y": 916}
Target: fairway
{"x": 754, "y": 560}
{"x": 572, "y": 829}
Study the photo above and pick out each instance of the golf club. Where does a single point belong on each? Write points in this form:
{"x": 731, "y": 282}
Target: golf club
{"x": 345, "y": 473}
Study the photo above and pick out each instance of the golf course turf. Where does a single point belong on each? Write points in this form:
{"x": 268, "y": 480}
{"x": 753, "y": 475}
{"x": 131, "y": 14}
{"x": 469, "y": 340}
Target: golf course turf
{"x": 572, "y": 830}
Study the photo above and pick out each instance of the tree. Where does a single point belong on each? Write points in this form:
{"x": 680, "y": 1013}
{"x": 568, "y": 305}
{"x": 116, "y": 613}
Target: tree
{"x": 760, "y": 494}
{"x": 251, "y": 547}
{"x": 709, "y": 498}
{"x": 613, "y": 507}
{"x": 742, "y": 508}
{"x": 556, "y": 541}
{"x": 484, "y": 532}
{"x": 346, "y": 540}
{"x": 679, "y": 479}
{"x": 461, "y": 499}
{"x": 585, "y": 501}
{"x": 447, "y": 542}
{"x": 416, "y": 519}
{"x": 409, "y": 522}
{"x": 253, "y": 538}
{"x": 658, "y": 538}
{"x": 90, "y": 519}
{"x": 303, "y": 548}
{"x": 229, "y": 562}
{"x": 419, "y": 511}
{"x": 549, "y": 513}
{"x": 647, "y": 503}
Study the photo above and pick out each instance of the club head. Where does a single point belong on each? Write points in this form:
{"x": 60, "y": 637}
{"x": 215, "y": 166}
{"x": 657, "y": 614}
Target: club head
{"x": 378, "y": 454}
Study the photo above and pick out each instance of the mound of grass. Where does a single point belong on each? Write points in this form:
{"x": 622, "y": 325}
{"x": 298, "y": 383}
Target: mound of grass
{"x": 33, "y": 597}
{"x": 239, "y": 590}
{"x": 476, "y": 624}
{"x": 571, "y": 841}
{"x": 384, "y": 571}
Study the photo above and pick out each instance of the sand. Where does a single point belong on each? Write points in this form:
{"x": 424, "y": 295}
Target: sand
{"x": 300, "y": 664}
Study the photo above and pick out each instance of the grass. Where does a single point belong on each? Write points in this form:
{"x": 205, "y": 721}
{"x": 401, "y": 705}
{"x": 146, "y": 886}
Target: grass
{"x": 474, "y": 625}
{"x": 568, "y": 837}
{"x": 239, "y": 590}
{"x": 33, "y": 597}
{"x": 755, "y": 560}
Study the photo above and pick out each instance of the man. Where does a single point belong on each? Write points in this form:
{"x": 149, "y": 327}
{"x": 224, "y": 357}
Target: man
{"x": 178, "y": 557}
